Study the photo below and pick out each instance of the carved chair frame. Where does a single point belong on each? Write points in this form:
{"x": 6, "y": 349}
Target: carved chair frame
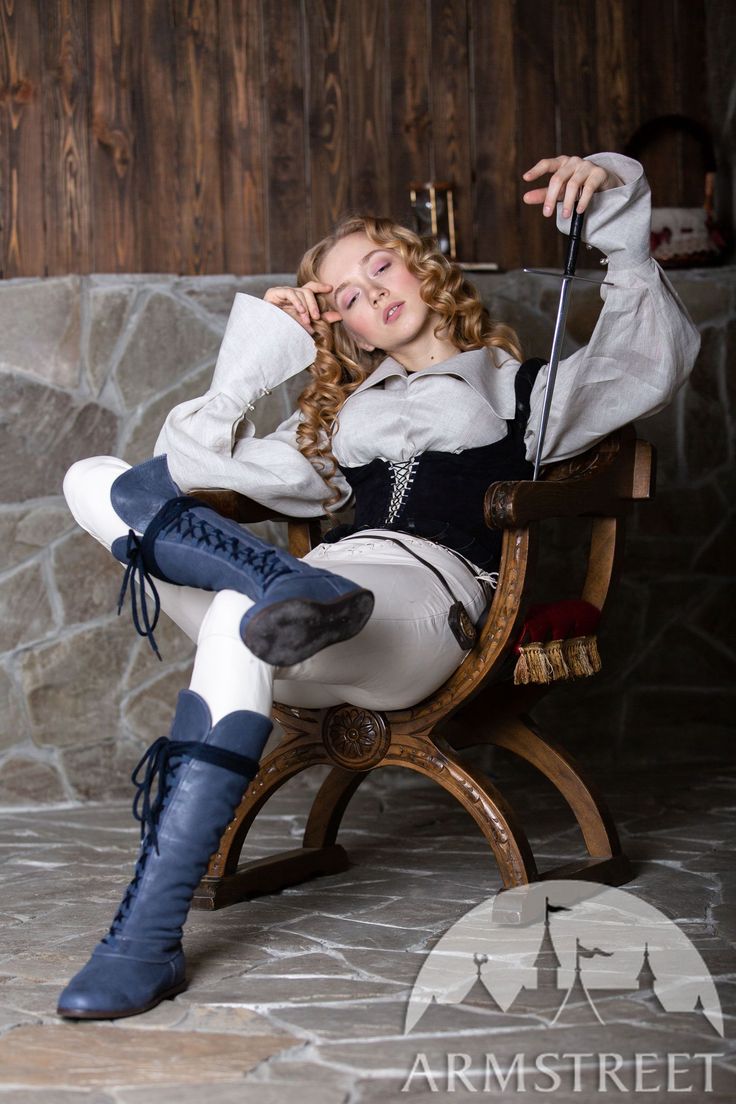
{"x": 480, "y": 698}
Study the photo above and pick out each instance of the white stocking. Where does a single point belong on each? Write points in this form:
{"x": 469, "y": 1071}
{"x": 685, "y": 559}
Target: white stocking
{"x": 226, "y": 673}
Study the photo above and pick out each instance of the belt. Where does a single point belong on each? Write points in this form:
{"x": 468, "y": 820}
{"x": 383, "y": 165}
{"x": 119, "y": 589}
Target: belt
{"x": 458, "y": 617}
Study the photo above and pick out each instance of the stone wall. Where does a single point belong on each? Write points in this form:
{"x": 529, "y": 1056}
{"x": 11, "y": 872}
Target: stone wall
{"x": 92, "y": 365}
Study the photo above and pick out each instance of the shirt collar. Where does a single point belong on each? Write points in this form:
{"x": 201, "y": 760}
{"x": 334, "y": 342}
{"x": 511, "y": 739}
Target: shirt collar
{"x": 478, "y": 367}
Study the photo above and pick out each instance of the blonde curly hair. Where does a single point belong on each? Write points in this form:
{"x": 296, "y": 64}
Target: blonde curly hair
{"x": 341, "y": 365}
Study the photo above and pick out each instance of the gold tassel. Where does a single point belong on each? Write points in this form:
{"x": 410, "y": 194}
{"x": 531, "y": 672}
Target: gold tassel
{"x": 594, "y": 655}
{"x": 533, "y": 665}
{"x": 582, "y": 656}
{"x": 555, "y": 655}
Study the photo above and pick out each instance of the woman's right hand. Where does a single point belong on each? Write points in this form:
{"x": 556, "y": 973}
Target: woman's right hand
{"x": 301, "y": 303}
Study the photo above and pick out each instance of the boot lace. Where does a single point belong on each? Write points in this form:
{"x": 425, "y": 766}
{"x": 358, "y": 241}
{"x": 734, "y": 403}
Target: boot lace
{"x": 178, "y": 517}
{"x": 159, "y": 765}
{"x": 136, "y": 576}
{"x": 266, "y": 563}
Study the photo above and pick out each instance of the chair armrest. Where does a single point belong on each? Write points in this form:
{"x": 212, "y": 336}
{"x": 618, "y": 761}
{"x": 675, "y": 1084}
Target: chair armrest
{"x": 599, "y": 482}
{"x": 238, "y": 507}
{"x": 304, "y": 533}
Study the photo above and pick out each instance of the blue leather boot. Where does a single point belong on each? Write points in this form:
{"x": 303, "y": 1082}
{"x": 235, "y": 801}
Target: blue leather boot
{"x": 299, "y": 609}
{"x": 202, "y": 773}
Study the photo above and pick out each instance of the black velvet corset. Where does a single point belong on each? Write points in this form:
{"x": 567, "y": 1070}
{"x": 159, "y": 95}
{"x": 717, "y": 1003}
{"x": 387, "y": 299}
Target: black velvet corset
{"x": 439, "y": 495}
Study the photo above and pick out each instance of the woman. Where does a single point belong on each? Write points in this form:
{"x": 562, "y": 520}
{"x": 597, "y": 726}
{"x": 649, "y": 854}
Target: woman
{"x": 417, "y": 401}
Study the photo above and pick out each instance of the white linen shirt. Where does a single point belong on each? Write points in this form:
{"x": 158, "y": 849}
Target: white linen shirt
{"x": 641, "y": 351}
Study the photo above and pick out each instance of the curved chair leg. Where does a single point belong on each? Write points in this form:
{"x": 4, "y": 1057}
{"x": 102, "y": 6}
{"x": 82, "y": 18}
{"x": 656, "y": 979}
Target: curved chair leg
{"x": 607, "y": 862}
{"x": 329, "y": 805}
{"x": 435, "y": 759}
{"x": 226, "y": 882}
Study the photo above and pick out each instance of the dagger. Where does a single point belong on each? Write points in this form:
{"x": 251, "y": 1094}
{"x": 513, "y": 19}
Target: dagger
{"x": 568, "y": 275}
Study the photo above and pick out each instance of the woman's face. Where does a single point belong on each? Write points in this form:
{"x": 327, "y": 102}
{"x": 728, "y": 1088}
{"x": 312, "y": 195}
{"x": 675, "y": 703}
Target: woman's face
{"x": 376, "y": 295}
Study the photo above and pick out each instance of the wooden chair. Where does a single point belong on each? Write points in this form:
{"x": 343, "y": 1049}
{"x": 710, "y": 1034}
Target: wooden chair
{"x": 480, "y": 696}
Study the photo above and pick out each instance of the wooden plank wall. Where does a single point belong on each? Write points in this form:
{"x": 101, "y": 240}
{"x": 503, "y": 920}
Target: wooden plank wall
{"x": 204, "y": 136}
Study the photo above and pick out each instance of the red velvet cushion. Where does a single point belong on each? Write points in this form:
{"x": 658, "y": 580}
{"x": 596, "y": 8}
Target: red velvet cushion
{"x": 559, "y": 621}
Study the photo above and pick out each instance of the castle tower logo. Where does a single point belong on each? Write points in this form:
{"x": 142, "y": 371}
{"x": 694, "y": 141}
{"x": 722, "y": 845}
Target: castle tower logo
{"x": 560, "y": 945}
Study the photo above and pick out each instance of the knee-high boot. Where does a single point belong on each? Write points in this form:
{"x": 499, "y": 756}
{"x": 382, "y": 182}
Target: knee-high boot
{"x": 298, "y": 609}
{"x": 202, "y": 771}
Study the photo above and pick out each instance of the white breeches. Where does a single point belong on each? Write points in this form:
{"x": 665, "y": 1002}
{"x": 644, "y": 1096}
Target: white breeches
{"x": 405, "y": 651}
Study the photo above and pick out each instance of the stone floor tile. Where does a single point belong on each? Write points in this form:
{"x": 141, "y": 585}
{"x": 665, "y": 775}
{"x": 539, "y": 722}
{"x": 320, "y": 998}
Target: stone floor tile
{"x": 241, "y": 1093}
{"x": 265, "y": 992}
{"x": 316, "y": 964}
{"x": 343, "y": 931}
{"x": 429, "y": 913}
{"x": 336, "y": 899}
{"x": 167, "y": 1016}
{"x": 10, "y": 1017}
{"x": 87, "y": 1055}
{"x": 400, "y": 965}
{"x": 324, "y": 969}
{"x": 720, "y": 860}
{"x": 394, "y": 1055}
{"x": 224, "y": 1018}
{"x": 53, "y": 1096}
{"x": 387, "y": 1090}
{"x": 31, "y": 1000}
{"x": 725, "y": 918}
{"x": 252, "y": 948}
{"x": 54, "y": 965}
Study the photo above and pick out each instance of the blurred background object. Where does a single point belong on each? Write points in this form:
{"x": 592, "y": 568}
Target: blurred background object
{"x": 683, "y": 235}
{"x": 432, "y": 206}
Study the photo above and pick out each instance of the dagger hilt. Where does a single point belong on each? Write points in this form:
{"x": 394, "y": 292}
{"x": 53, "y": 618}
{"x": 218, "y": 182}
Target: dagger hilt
{"x": 573, "y": 242}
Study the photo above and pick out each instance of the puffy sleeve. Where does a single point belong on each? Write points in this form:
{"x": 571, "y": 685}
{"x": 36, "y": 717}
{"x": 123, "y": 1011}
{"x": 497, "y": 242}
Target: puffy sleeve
{"x": 211, "y": 441}
{"x": 644, "y": 344}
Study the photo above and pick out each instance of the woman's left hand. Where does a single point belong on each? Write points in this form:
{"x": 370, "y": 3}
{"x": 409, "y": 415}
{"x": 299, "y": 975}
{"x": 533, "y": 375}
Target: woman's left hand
{"x": 570, "y": 174}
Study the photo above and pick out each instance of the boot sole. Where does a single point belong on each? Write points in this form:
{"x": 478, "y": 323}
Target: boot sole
{"x": 288, "y": 632}
{"x": 99, "y": 1014}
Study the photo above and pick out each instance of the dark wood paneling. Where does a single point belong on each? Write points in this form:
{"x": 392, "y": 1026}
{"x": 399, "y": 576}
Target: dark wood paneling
{"x": 68, "y": 199}
{"x": 659, "y": 92}
{"x": 286, "y": 178}
{"x": 450, "y": 99}
{"x": 497, "y": 184}
{"x": 616, "y": 66}
{"x": 692, "y": 69}
{"x": 574, "y": 69}
{"x": 113, "y": 33}
{"x": 369, "y": 137}
{"x": 158, "y": 179}
{"x": 536, "y": 131}
{"x": 21, "y": 141}
{"x": 330, "y": 86}
{"x": 198, "y": 129}
{"x": 410, "y": 116}
{"x": 243, "y": 137}
{"x": 200, "y": 136}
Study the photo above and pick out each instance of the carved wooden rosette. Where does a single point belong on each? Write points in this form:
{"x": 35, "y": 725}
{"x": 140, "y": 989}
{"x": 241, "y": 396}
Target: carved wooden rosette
{"x": 355, "y": 738}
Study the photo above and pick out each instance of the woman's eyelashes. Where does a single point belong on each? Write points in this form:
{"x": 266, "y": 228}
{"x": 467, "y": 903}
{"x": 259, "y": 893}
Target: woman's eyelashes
{"x": 351, "y": 299}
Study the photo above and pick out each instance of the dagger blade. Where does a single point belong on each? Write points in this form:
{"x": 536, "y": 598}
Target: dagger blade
{"x": 576, "y": 229}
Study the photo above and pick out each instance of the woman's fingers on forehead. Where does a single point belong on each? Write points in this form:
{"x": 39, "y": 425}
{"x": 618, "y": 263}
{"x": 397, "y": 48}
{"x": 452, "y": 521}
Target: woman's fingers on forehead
{"x": 317, "y": 285}
{"x": 310, "y": 302}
